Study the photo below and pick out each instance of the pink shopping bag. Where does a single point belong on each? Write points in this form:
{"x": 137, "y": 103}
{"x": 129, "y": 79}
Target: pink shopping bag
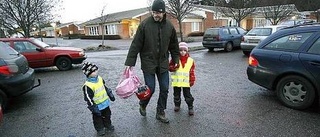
{"x": 128, "y": 83}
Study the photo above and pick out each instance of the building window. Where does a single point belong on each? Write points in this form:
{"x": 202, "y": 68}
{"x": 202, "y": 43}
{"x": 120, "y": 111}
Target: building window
{"x": 261, "y": 22}
{"x": 195, "y": 26}
{"x": 111, "y": 29}
{"x": 94, "y": 30}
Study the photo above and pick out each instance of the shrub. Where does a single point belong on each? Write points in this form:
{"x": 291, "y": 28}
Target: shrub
{"x": 106, "y": 37}
{"x": 192, "y": 34}
{"x": 73, "y": 36}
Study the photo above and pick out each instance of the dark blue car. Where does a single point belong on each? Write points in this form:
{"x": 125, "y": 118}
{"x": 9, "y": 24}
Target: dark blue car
{"x": 288, "y": 62}
{"x": 226, "y": 37}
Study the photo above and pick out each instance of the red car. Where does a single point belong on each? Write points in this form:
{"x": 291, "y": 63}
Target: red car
{"x": 40, "y": 54}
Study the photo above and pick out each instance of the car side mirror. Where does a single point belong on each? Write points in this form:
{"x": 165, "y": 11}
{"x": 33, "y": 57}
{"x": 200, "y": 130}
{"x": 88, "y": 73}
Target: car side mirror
{"x": 39, "y": 49}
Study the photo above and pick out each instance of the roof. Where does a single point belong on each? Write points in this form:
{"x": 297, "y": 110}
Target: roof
{"x": 67, "y": 24}
{"x": 118, "y": 16}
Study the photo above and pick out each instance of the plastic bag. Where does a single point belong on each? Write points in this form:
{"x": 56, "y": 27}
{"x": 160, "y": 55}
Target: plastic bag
{"x": 128, "y": 83}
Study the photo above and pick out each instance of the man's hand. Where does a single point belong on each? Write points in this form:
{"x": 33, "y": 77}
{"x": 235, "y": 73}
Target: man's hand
{"x": 128, "y": 67}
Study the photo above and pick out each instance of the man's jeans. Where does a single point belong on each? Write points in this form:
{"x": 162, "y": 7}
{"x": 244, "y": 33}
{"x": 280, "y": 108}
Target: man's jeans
{"x": 163, "y": 80}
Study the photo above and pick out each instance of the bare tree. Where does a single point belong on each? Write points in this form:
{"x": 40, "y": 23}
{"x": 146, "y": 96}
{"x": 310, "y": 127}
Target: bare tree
{"x": 103, "y": 19}
{"x": 179, "y": 9}
{"x": 309, "y": 5}
{"x": 208, "y": 2}
{"x": 277, "y": 13}
{"x": 236, "y": 9}
{"x": 21, "y": 15}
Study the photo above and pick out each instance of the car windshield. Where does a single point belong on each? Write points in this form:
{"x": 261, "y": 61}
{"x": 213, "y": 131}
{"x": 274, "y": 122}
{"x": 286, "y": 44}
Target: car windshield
{"x": 40, "y": 43}
{"x": 260, "y": 32}
{"x": 241, "y": 30}
{"x": 212, "y": 32}
{"x": 6, "y": 51}
{"x": 288, "y": 23}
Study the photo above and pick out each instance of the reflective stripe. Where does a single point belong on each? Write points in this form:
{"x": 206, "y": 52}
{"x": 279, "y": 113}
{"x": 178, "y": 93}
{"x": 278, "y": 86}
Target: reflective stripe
{"x": 100, "y": 93}
{"x": 180, "y": 78}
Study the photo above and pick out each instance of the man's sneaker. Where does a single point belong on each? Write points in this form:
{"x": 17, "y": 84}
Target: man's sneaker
{"x": 110, "y": 128}
{"x": 142, "y": 111}
{"x": 101, "y": 132}
{"x": 191, "y": 112}
{"x": 176, "y": 108}
{"x": 162, "y": 118}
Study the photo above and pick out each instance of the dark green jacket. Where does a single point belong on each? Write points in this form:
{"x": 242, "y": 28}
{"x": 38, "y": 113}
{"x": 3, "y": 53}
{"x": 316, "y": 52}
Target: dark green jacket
{"x": 154, "y": 41}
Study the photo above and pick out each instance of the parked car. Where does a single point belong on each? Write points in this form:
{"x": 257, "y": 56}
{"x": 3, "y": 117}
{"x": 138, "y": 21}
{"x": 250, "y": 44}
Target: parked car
{"x": 255, "y": 36}
{"x": 288, "y": 62}
{"x": 297, "y": 22}
{"x": 40, "y": 54}
{"x": 16, "y": 77}
{"x": 222, "y": 37}
{"x": 1, "y": 114}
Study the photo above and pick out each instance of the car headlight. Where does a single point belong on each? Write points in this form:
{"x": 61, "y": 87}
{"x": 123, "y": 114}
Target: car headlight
{"x": 81, "y": 53}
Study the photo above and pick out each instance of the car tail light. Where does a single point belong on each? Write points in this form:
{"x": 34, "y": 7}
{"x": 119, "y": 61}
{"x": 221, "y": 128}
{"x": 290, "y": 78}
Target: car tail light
{"x": 242, "y": 38}
{"x": 253, "y": 62}
{"x": 4, "y": 70}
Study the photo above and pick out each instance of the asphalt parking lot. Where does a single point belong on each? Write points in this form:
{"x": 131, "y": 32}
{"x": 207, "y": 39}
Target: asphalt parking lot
{"x": 227, "y": 104}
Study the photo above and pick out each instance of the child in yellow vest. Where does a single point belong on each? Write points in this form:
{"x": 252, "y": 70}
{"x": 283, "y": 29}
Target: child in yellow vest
{"x": 183, "y": 77}
{"x": 98, "y": 97}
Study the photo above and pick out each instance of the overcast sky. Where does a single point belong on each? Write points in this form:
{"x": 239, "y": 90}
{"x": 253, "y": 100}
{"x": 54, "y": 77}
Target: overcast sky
{"x": 83, "y": 10}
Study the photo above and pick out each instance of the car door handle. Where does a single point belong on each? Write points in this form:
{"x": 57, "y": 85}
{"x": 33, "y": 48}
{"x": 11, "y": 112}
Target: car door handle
{"x": 314, "y": 63}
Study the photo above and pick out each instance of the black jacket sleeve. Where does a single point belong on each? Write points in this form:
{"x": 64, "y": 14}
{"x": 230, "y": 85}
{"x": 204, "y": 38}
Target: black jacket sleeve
{"x": 88, "y": 95}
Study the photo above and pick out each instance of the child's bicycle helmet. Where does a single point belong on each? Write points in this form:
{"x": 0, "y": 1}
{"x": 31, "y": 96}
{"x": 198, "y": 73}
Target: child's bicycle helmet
{"x": 143, "y": 92}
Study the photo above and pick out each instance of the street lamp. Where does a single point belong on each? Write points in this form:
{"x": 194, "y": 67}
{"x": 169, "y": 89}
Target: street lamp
{"x": 54, "y": 30}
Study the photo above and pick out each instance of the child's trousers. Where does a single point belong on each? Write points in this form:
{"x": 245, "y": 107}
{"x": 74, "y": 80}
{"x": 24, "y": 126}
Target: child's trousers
{"x": 187, "y": 96}
{"x": 102, "y": 121}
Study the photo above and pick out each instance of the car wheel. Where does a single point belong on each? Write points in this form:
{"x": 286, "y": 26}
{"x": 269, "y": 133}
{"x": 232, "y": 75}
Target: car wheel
{"x": 228, "y": 47}
{"x": 211, "y": 49}
{"x": 3, "y": 99}
{"x": 63, "y": 63}
{"x": 295, "y": 92}
{"x": 247, "y": 53}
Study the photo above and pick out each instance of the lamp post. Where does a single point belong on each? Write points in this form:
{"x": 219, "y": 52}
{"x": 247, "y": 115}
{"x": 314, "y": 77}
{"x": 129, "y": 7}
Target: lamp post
{"x": 54, "y": 30}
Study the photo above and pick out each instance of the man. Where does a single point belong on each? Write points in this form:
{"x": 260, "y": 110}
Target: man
{"x": 155, "y": 38}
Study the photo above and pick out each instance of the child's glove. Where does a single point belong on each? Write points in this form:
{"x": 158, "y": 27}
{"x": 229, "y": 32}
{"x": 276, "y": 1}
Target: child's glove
{"x": 110, "y": 94}
{"x": 191, "y": 83}
{"x": 94, "y": 109}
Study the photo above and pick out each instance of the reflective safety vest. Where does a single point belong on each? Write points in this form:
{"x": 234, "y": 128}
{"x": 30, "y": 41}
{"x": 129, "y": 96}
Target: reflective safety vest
{"x": 100, "y": 93}
{"x": 180, "y": 78}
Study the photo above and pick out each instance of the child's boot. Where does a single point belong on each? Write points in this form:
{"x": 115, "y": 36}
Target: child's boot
{"x": 176, "y": 108}
{"x": 191, "y": 111}
{"x": 110, "y": 128}
{"x": 101, "y": 132}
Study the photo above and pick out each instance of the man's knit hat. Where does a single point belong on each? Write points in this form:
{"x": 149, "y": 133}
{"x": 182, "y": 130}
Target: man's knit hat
{"x": 88, "y": 68}
{"x": 183, "y": 46}
{"x": 159, "y": 6}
